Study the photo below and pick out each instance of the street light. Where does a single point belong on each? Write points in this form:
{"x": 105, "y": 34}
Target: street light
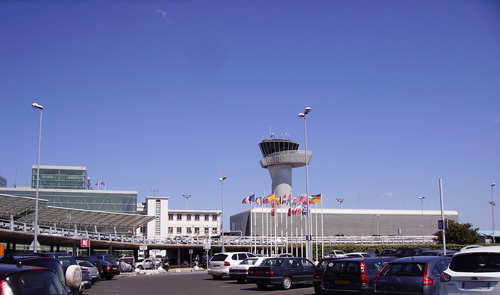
{"x": 187, "y": 200}
{"x": 35, "y": 239}
{"x": 308, "y": 219}
{"x": 493, "y": 204}
{"x": 221, "y": 179}
{"x": 340, "y": 200}
{"x": 422, "y": 206}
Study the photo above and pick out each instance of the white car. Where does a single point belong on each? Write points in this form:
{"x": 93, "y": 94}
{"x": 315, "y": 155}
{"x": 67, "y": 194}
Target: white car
{"x": 335, "y": 254}
{"x": 474, "y": 270}
{"x": 240, "y": 272}
{"x": 147, "y": 263}
{"x": 220, "y": 263}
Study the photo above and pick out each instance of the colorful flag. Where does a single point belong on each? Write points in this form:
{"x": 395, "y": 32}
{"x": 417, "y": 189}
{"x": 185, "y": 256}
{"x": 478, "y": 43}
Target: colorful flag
{"x": 289, "y": 212}
{"x": 265, "y": 201}
{"x": 103, "y": 183}
{"x": 272, "y": 212}
{"x": 251, "y": 198}
{"x": 316, "y": 198}
{"x": 245, "y": 200}
{"x": 258, "y": 200}
{"x": 271, "y": 197}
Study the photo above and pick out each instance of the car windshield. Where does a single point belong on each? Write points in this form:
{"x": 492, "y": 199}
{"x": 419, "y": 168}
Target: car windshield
{"x": 476, "y": 262}
{"x": 404, "y": 269}
{"x": 249, "y": 261}
{"x": 35, "y": 282}
{"x": 219, "y": 257}
{"x": 110, "y": 258}
{"x": 67, "y": 260}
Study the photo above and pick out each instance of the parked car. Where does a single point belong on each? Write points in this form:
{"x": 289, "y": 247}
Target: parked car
{"x": 387, "y": 252}
{"x": 92, "y": 269}
{"x": 27, "y": 280}
{"x": 240, "y": 272}
{"x": 71, "y": 281}
{"x": 335, "y": 253}
{"x": 318, "y": 273}
{"x": 97, "y": 263}
{"x": 360, "y": 254}
{"x": 147, "y": 263}
{"x": 473, "y": 271}
{"x": 409, "y": 251}
{"x": 220, "y": 263}
{"x": 109, "y": 270}
{"x": 86, "y": 279}
{"x": 352, "y": 275}
{"x": 411, "y": 275}
{"x": 282, "y": 271}
{"x": 437, "y": 253}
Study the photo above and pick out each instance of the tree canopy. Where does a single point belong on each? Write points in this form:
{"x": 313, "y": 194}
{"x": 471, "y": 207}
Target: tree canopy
{"x": 458, "y": 233}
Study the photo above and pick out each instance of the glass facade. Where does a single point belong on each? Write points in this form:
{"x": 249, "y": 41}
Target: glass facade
{"x": 55, "y": 177}
{"x": 271, "y": 146}
{"x": 3, "y": 181}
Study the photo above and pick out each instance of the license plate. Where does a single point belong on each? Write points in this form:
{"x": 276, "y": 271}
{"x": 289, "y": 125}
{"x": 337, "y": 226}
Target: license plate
{"x": 216, "y": 266}
{"x": 259, "y": 272}
{"x": 476, "y": 285}
{"x": 342, "y": 282}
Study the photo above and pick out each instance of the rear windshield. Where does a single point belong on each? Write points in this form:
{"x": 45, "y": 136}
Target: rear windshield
{"x": 273, "y": 262}
{"x": 67, "y": 260}
{"x": 249, "y": 261}
{"x": 476, "y": 262}
{"x": 110, "y": 259}
{"x": 219, "y": 257}
{"x": 353, "y": 267}
{"x": 35, "y": 282}
{"x": 404, "y": 269}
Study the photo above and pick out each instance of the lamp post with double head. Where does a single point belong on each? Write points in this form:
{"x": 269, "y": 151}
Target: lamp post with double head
{"x": 308, "y": 219}
{"x": 422, "y": 207}
{"x": 221, "y": 179}
{"x": 35, "y": 239}
{"x": 493, "y": 204}
{"x": 187, "y": 200}
{"x": 340, "y": 200}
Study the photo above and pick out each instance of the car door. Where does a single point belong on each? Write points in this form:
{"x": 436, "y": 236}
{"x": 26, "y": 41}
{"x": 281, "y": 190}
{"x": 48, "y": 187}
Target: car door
{"x": 308, "y": 270}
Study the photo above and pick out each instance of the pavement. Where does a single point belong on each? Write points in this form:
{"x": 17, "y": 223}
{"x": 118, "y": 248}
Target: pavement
{"x": 161, "y": 271}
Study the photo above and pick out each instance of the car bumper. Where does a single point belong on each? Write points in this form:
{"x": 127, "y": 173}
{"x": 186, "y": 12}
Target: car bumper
{"x": 265, "y": 280}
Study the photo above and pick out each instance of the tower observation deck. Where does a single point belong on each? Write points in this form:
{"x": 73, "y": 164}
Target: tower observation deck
{"x": 279, "y": 157}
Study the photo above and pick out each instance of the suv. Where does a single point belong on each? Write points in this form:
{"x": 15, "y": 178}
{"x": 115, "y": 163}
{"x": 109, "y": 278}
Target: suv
{"x": 473, "y": 271}
{"x": 411, "y": 275}
{"x": 24, "y": 280}
{"x": 220, "y": 263}
{"x": 351, "y": 275}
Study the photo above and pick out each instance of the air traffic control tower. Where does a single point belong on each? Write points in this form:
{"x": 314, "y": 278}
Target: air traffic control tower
{"x": 280, "y": 156}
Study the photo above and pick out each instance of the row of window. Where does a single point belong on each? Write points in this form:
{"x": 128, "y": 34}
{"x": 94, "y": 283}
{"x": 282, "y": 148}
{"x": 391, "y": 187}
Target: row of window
{"x": 189, "y": 216}
{"x": 189, "y": 230}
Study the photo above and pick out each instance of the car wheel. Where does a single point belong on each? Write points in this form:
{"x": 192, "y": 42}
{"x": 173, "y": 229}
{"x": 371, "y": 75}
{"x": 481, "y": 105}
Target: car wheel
{"x": 217, "y": 277}
{"x": 261, "y": 286}
{"x": 317, "y": 290}
{"x": 286, "y": 283}
{"x": 241, "y": 281}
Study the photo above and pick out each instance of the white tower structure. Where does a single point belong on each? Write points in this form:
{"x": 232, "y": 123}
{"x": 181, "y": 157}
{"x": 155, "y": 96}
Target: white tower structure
{"x": 280, "y": 156}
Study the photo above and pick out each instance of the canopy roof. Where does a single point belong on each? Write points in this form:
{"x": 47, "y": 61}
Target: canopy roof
{"x": 15, "y": 205}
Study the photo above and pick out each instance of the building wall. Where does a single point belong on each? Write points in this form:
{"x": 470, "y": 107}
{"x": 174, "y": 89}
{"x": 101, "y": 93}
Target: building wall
{"x": 3, "y": 181}
{"x": 59, "y": 177}
{"x": 351, "y": 222}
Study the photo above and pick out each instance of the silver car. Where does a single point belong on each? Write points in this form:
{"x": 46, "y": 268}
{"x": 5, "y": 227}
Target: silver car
{"x": 92, "y": 269}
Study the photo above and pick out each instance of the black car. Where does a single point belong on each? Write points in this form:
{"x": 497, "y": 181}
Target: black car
{"x": 409, "y": 251}
{"x": 437, "y": 253}
{"x": 43, "y": 260}
{"x": 411, "y": 275}
{"x": 318, "y": 273}
{"x": 109, "y": 270}
{"x": 27, "y": 280}
{"x": 352, "y": 275}
{"x": 282, "y": 271}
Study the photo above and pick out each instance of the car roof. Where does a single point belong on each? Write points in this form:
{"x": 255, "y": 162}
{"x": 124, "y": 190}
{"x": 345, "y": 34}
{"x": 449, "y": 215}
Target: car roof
{"x": 8, "y": 269}
{"x": 417, "y": 259}
{"x": 480, "y": 249}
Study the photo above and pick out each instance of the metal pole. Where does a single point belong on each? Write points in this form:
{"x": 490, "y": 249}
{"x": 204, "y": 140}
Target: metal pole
{"x": 222, "y": 215}
{"x": 308, "y": 217}
{"x": 35, "y": 239}
{"x": 442, "y": 216}
{"x": 493, "y": 213}
{"x": 422, "y": 205}
{"x": 187, "y": 200}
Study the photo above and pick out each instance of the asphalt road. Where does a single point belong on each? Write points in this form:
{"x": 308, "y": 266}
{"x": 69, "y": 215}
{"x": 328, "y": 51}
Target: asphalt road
{"x": 196, "y": 283}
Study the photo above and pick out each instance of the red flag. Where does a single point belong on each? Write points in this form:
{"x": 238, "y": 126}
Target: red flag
{"x": 289, "y": 211}
{"x": 272, "y": 212}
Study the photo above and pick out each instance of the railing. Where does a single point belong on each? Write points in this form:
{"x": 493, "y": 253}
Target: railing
{"x": 194, "y": 240}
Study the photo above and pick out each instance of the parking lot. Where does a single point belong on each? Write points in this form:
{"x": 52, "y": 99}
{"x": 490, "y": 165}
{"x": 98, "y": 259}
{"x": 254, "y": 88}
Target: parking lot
{"x": 186, "y": 282}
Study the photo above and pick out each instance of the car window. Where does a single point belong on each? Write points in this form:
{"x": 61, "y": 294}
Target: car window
{"x": 374, "y": 267}
{"x": 37, "y": 282}
{"x": 307, "y": 264}
{"x": 443, "y": 265}
{"x": 476, "y": 262}
{"x": 352, "y": 267}
{"x": 248, "y": 261}
{"x": 273, "y": 262}
{"x": 404, "y": 269}
{"x": 219, "y": 257}
{"x": 242, "y": 256}
{"x": 251, "y": 255}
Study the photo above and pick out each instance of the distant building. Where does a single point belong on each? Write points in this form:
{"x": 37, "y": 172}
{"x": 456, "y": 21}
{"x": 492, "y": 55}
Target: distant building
{"x": 60, "y": 177}
{"x": 3, "y": 181}
{"x": 170, "y": 223}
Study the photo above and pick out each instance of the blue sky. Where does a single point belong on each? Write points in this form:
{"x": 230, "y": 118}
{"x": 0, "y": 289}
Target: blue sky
{"x": 171, "y": 95}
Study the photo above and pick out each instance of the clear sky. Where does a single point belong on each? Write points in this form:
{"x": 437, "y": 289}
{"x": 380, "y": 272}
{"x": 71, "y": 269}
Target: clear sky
{"x": 168, "y": 96}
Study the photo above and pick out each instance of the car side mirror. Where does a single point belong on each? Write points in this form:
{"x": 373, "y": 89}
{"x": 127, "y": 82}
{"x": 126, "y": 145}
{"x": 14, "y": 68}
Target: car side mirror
{"x": 73, "y": 277}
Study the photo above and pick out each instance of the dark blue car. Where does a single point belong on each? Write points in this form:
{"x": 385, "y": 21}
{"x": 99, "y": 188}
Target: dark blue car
{"x": 282, "y": 271}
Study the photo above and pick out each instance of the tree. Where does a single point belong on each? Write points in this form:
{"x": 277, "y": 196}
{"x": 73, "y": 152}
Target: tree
{"x": 458, "y": 233}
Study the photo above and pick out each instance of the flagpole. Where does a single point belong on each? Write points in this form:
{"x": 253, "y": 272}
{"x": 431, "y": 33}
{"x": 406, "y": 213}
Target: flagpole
{"x": 251, "y": 226}
{"x": 322, "y": 229}
{"x": 262, "y": 223}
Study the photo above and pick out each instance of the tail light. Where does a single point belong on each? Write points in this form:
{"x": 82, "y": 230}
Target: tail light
{"x": 364, "y": 278}
{"x": 427, "y": 281}
{"x": 445, "y": 277}
{"x": 108, "y": 268}
{"x": 269, "y": 273}
{"x": 226, "y": 263}
{"x": 5, "y": 288}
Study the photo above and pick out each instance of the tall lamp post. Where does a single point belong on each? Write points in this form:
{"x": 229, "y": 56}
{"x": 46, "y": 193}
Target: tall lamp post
{"x": 308, "y": 219}
{"x": 340, "y": 200}
{"x": 187, "y": 200}
{"x": 35, "y": 239}
{"x": 221, "y": 179}
{"x": 493, "y": 204}
{"x": 422, "y": 206}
